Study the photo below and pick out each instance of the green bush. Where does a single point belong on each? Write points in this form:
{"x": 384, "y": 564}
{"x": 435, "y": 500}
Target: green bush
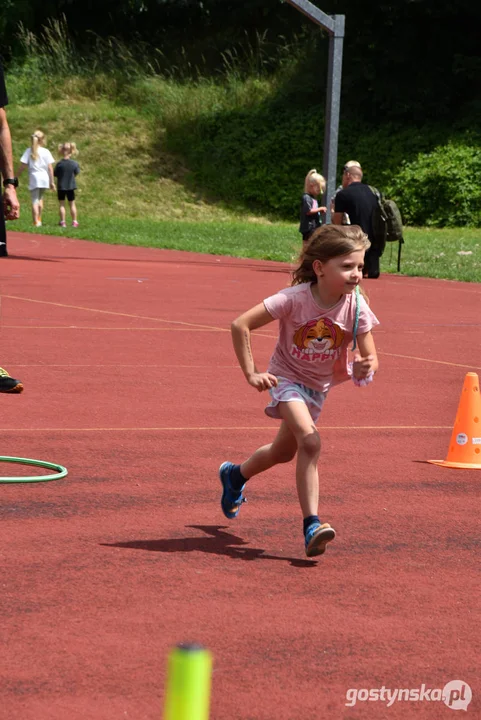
{"x": 442, "y": 188}
{"x": 256, "y": 156}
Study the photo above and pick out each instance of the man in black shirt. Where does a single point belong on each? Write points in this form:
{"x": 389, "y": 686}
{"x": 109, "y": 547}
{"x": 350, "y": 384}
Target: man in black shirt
{"x": 9, "y": 208}
{"x": 359, "y": 202}
{"x": 9, "y": 205}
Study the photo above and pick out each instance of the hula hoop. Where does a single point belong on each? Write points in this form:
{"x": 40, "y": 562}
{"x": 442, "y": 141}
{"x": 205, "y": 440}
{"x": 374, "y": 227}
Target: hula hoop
{"x": 61, "y": 471}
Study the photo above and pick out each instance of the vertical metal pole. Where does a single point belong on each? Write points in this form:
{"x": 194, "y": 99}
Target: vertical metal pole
{"x": 333, "y": 105}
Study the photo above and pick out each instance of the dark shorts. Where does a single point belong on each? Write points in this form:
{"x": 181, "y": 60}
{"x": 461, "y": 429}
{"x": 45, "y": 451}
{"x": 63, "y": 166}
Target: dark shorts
{"x": 307, "y": 235}
{"x": 69, "y": 194}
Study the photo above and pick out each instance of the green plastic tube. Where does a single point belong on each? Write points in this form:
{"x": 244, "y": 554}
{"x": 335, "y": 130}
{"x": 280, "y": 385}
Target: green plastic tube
{"x": 188, "y": 685}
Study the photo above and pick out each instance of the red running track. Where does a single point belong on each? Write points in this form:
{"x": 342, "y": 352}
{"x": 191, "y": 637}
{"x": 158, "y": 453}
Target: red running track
{"x": 131, "y": 382}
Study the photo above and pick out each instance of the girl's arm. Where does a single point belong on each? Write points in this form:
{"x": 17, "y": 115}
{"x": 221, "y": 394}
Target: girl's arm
{"x": 241, "y": 330}
{"x": 21, "y": 168}
{"x": 50, "y": 175}
{"x": 365, "y": 361}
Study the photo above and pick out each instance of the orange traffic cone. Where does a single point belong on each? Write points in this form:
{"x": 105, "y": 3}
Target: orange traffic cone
{"x": 465, "y": 446}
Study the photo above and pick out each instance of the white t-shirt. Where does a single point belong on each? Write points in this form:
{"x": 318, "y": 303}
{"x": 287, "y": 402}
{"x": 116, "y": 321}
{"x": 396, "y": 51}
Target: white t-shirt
{"x": 38, "y": 169}
{"x": 313, "y": 343}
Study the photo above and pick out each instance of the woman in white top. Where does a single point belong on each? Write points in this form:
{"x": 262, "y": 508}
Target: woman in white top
{"x": 39, "y": 161}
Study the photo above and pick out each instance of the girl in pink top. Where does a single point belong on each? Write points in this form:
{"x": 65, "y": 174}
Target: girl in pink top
{"x": 318, "y": 317}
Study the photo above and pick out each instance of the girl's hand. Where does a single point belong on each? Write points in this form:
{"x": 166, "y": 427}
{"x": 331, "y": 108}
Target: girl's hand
{"x": 52, "y": 186}
{"x": 361, "y": 367}
{"x": 323, "y": 209}
{"x": 262, "y": 381}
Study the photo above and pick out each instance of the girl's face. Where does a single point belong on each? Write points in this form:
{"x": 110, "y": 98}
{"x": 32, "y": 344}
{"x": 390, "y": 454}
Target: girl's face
{"x": 314, "y": 188}
{"x": 340, "y": 274}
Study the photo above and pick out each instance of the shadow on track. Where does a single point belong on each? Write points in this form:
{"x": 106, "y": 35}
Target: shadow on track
{"x": 10, "y": 256}
{"x": 218, "y": 542}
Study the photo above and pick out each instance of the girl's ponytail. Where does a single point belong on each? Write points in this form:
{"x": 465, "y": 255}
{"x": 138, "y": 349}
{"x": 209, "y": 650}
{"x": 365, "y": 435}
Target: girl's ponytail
{"x": 34, "y": 147}
{"x": 37, "y": 139}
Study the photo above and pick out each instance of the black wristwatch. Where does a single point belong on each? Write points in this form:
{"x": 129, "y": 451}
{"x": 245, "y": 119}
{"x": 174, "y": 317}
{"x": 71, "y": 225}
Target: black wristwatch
{"x": 10, "y": 181}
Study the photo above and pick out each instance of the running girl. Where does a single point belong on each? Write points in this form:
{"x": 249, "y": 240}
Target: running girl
{"x": 317, "y": 316}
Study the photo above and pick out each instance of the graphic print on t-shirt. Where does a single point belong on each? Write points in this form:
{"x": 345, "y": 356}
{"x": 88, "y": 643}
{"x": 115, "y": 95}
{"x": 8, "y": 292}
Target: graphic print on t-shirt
{"x": 317, "y": 340}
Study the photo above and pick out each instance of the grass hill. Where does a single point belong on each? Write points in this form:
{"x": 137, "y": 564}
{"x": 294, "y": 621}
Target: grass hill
{"x": 133, "y": 189}
{"x": 125, "y": 171}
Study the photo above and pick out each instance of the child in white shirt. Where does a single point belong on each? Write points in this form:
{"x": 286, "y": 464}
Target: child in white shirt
{"x": 39, "y": 161}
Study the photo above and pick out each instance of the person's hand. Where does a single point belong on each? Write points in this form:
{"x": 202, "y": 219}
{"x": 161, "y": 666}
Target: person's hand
{"x": 52, "y": 186}
{"x": 262, "y": 381}
{"x": 361, "y": 367}
{"x": 323, "y": 209}
{"x": 11, "y": 206}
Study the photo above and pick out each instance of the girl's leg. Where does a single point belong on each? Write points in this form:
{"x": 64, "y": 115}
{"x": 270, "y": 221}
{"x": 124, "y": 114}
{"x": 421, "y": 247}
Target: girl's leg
{"x": 73, "y": 210}
{"x": 233, "y": 480}
{"x": 62, "y": 210}
{"x": 297, "y": 418}
{"x": 305, "y": 240}
{"x": 34, "y": 198}
{"x": 40, "y": 208}
{"x": 281, "y": 450}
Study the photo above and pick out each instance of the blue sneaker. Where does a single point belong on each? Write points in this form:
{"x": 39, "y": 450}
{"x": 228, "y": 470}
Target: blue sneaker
{"x": 317, "y": 536}
{"x": 231, "y": 499}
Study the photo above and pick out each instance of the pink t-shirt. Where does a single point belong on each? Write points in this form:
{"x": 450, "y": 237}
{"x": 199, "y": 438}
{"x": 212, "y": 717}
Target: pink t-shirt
{"x": 313, "y": 343}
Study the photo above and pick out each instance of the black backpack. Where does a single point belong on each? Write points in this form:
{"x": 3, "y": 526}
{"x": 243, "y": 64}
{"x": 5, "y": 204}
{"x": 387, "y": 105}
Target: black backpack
{"x": 387, "y": 224}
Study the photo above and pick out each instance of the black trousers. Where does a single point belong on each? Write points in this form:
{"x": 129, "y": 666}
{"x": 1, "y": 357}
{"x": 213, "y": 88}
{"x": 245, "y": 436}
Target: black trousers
{"x": 371, "y": 263}
{"x": 3, "y": 230}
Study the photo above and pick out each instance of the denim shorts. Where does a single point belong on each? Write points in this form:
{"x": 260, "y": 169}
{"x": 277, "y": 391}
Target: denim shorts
{"x": 289, "y": 391}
